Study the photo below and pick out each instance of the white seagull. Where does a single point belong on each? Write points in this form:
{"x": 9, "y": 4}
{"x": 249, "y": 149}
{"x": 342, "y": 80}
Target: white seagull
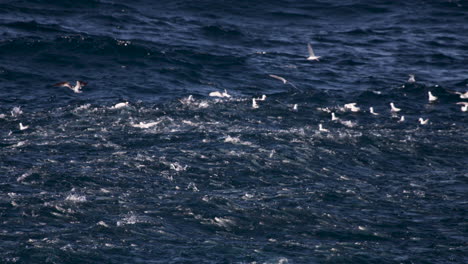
{"x": 295, "y": 107}
{"x": 219, "y": 94}
{"x": 334, "y": 118}
{"x": 411, "y": 78}
{"x": 283, "y": 80}
{"x": 120, "y": 105}
{"x": 352, "y": 107}
{"x": 372, "y": 111}
{"x": 254, "y": 103}
{"x": 463, "y": 95}
{"x": 422, "y": 121}
{"x": 76, "y": 88}
{"x": 402, "y": 119}
{"x": 432, "y": 98}
{"x": 311, "y": 53}
{"x": 464, "y": 107}
{"x": 321, "y": 129}
{"x": 394, "y": 109}
{"x": 23, "y": 127}
{"x": 263, "y": 98}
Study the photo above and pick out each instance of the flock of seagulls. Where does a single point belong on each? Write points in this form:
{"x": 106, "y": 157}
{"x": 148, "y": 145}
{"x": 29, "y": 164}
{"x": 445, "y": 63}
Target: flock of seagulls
{"x": 311, "y": 57}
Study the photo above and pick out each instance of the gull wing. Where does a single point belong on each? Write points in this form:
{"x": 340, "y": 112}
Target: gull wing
{"x": 311, "y": 51}
{"x": 278, "y": 77}
{"x": 64, "y": 84}
{"x": 82, "y": 83}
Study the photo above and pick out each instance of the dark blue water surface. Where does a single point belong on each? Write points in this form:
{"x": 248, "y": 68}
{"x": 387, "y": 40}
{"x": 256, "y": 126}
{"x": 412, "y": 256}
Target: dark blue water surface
{"x": 214, "y": 180}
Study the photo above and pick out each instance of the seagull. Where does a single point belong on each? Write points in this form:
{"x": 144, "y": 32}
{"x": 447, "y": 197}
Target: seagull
{"x": 323, "y": 129}
{"x": 394, "y": 109}
{"x": 145, "y": 125}
{"x": 372, "y": 111}
{"x": 263, "y": 98}
{"x": 432, "y": 98}
{"x": 120, "y": 105}
{"x": 464, "y": 108}
{"x": 295, "y": 107}
{"x": 422, "y": 121}
{"x": 283, "y": 80}
{"x": 254, "y": 103}
{"x": 463, "y": 95}
{"x": 311, "y": 53}
{"x": 76, "y": 88}
{"x": 219, "y": 94}
{"x": 352, "y": 107}
{"x": 334, "y": 118}
{"x": 411, "y": 78}
{"x": 402, "y": 119}
{"x": 16, "y": 111}
{"x": 187, "y": 100}
{"x": 23, "y": 127}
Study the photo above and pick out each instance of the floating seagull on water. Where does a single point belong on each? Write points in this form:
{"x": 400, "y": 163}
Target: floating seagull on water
{"x": 432, "y": 98}
{"x": 263, "y": 98}
{"x": 352, "y": 107}
{"x": 394, "y": 109}
{"x": 295, "y": 107}
{"x": 187, "y": 100}
{"x": 76, "y": 88}
{"x": 254, "y": 103}
{"x": 120, "y": 105}
{"x": 283, "y": 80}
{"x": 311, "y": 53}
{"x": 402, "y": 119}
{"x": 464, "y": 108}
{"x": 219, "y": 94}
{"x": 145, "y": 125}
{"x": 334, "y": 118}
{"x": 422, "y": 121}
{"x": 411, "y": 78}
{"x": 23, "y": 127}
{"x": 372, "y": 111}
{"x": 463, "y": 95}
{"x": 323, "y": 129}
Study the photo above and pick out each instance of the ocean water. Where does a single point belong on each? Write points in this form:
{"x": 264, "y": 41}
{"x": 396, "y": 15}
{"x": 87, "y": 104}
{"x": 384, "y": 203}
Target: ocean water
{"x": 214, "y": 180}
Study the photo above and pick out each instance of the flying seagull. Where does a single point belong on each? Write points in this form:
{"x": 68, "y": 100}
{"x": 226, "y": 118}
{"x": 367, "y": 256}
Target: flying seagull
{"x": 76, "y": 88}
{"x": 283, "y": 80}
{"x": 463, "y": 95}
{"x": 311, "y": 53}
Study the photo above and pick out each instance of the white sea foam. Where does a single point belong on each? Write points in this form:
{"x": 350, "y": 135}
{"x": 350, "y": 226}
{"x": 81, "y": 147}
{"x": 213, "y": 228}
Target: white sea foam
{"x": 76, "y": 198}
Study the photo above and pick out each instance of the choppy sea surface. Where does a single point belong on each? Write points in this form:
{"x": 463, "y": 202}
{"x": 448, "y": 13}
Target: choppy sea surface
{"x": 178, "y": 176}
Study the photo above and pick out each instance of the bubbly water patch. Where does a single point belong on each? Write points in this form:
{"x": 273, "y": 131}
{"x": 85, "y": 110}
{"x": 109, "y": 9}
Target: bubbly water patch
{"x": 179, "y": 176}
